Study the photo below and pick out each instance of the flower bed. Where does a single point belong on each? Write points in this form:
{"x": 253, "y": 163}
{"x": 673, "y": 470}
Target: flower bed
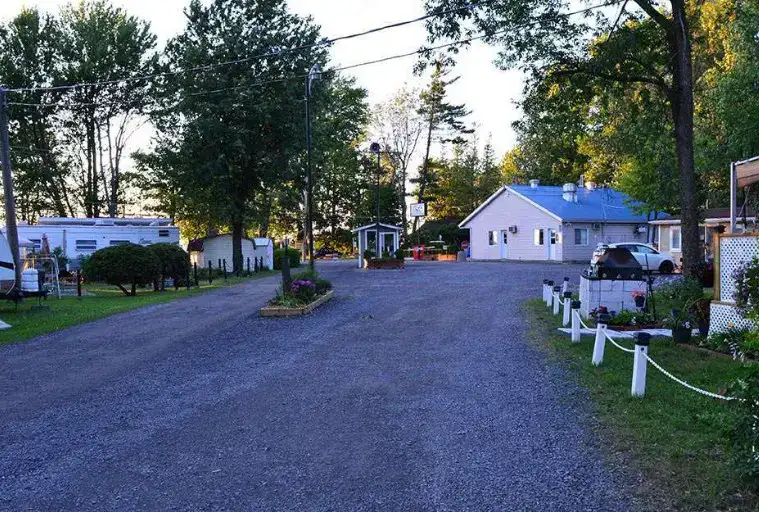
{"x": 306, "y": 292}
{"x": 384, "y": 264}
{"x": 278, "y": 310}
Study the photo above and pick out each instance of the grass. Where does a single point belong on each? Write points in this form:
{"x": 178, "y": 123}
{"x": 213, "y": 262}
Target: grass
{"x": 28, "y": 322}
{"x": 678, "y": 439}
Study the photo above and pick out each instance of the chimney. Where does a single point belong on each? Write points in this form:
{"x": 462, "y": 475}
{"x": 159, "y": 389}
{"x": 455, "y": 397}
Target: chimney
{"x": 581, "y": 183}
{"x": 569, "y": 193}
{"x": 534, "y": 183}
{"x": 591, "y": 185}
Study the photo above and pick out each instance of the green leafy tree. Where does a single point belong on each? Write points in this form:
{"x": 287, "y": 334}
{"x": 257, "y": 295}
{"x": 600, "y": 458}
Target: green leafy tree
{"x": 123, "y": 265}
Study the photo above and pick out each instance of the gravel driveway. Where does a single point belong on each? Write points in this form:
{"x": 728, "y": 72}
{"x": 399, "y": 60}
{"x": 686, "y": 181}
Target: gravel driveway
{"x": 411, "y": 390}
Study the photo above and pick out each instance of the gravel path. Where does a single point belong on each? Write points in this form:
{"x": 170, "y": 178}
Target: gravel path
{"x": 411, "y": 390}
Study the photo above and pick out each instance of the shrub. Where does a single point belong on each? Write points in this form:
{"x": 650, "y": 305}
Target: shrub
{"x": 738, "y": 342}
{"x": 292, "y": 254}
{"x": 745, "y": 432}
{"x": 681, "y": 295}
{"x": 121, "y": 265}
{"x": 322, "y": 285}
{"x": 174, "y": 262}
{"x": 399, "y": 254}
{"x": 303, "y": 290}
{"x": 746, "y": 294}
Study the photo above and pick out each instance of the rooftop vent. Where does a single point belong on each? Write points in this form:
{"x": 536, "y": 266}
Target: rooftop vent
{"x": 569, "y": 193}
{"x": 534, "y": 183}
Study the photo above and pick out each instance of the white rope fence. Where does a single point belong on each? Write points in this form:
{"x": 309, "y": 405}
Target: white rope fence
{"x": 571, "y": 310}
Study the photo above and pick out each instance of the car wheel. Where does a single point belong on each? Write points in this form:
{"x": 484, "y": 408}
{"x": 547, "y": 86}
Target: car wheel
{"x": 666, "y": 267}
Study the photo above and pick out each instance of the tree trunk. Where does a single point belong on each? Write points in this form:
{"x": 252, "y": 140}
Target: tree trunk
{"x": 402, "y": 190}
{"x": 425, "y": 169}
{"x": 237, "y": 229}
{"x": 681, "y": 99}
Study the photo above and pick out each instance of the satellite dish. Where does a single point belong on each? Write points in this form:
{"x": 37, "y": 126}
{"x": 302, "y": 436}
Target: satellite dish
{"x": 7, "y": 269}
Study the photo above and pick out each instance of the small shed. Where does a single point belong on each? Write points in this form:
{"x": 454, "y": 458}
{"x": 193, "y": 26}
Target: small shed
{"x": 389, "y": 239}
{"x": 219, "y": 247}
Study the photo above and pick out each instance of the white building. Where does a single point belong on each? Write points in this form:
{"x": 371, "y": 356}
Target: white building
{"x": 219, "y": 247}
{"x": 537, "y": 222}
{"x": 81, "y": 237}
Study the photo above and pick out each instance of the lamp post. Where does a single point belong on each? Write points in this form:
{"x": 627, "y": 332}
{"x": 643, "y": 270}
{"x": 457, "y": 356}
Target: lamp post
{"x": 377, "y": 149}
{"x": 314, "y": 74}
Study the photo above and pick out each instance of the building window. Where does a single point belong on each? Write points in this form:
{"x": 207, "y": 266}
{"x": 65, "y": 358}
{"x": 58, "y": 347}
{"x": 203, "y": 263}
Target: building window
{"x": 86, "y": 245}
{"x": 581, "y": 236}
{"x": 163, "y": 232}
{"x": 492, "y": 237}
{"x": 37, "y": 244}
{"x": 119, "y": 242}
{"x": 538, "y": 237}
{"x": 675, "y": 239}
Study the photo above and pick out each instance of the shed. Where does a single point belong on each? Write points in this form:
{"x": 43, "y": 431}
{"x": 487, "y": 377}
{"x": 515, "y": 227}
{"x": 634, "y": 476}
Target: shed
{"x": 219, "y": 247}
{"x": 389, "y": 239}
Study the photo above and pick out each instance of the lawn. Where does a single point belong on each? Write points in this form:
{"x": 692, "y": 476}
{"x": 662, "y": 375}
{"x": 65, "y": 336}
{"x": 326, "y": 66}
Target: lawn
{"x": 28, "y": 322}
{"x": 678, "y": 439}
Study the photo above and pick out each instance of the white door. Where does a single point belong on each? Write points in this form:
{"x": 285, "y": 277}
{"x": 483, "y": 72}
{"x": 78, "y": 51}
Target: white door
{"x": 553, "y": 237}
{"x": 504, "y": 245}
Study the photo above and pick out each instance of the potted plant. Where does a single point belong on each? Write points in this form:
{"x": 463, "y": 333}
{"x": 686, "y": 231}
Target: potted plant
{"x": 701, "y": 311}
{"x": 640, "y": 298}
{"x": 680, "y": 325}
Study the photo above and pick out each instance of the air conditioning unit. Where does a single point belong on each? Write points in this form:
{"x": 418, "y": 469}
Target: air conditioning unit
{"x": 596, "y": 226}
{"x": 512, "y": 229}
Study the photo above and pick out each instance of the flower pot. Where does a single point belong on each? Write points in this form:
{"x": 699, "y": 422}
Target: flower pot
{"x": 640, "y": 301}
{"x": 681, "y": 335}
{"x": 703, "y": 328}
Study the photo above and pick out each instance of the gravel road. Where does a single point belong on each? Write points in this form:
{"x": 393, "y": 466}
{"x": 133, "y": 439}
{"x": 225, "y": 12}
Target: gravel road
{"x": 411, "y": 390}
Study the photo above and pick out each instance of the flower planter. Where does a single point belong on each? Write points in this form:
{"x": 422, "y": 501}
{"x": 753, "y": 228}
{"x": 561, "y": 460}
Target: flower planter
{"x": 703, "y": 328}
{"x": 640, "y": 301}
{"x": 388, "y": 264}
{"x": 279, "y": 311}
{"x": 681, "y": 335}
{"x": 446, "y": 257}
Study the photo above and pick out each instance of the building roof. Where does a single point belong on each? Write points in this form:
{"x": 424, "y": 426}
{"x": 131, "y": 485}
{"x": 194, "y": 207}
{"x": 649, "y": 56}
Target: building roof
{"x": 373, "y": 225}
{"x": 196, "y": 245}
{"x": 597, "y": 205}
{"x": 710, "y": 215}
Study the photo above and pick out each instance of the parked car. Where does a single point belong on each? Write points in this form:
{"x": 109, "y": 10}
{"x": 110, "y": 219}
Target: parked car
{"x": 648, "y": 257}
{"x": 326, "y": 253}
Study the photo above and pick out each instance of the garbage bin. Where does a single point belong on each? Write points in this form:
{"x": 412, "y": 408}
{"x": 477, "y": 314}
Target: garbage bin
{"x": 461, "y": 256}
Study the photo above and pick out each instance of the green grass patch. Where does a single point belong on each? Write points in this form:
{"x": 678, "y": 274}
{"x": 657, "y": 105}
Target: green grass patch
{"x": 677, "y": 438}
{"x": 107, "y": 300}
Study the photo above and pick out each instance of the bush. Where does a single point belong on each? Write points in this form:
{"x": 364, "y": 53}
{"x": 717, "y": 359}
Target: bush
{"x": 120, "y": 265}
{"x": 399, "y": 254}
{"x": 738, "y": 342}
{"x": 680, "y": 295}
{"x": 745, "y": 432}
{"x": 322, "y": 285}
{"x": 174, "y": 262}
{"x": 292, "y": 254}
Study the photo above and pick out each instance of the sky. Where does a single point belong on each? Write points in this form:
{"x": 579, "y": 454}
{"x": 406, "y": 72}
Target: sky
{"x": 488, "y": 92}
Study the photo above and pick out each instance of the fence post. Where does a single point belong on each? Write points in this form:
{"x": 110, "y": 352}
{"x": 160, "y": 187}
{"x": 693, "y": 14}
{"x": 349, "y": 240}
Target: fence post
{"x": 576, "y": 321}
{"x": 224, "y": 263}
{"x": 600, "y": 344}
{"x": 248, "y": 262}
{"x": 642, "y": 340}
{"x": 567, "y": 306}
{"x": 549, "y": 297}
{"x": 78, "y": 283}
{"x": 219, "y": 263}
{"x": 556, "y": 299}
{"x": 195, "y": 270}
{"x": 545, "y": 290}
{"x": 255, "y": 264}
{"x": 210, "y": 272}
{"x": 187, "y": 281}
{"x": 565, "y": 286}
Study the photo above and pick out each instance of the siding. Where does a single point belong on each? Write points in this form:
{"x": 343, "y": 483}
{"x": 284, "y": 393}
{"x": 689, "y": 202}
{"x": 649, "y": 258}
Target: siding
{"x": 609, "y": 233}
{"x": 220, "y": 247}
{"x": 507, "y": 210}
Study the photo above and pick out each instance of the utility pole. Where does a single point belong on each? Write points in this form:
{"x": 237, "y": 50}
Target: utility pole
{"x": 11, "y": 230}
{"x": 376, "y": 148}
{"x": 314, "y": 74}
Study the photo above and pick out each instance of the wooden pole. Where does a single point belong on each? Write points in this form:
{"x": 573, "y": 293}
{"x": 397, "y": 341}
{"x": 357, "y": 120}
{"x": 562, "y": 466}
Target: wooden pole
{"x": 11, "y": 229}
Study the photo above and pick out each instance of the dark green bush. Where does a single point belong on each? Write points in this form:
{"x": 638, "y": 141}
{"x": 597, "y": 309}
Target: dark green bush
{"x": 681, "y": 295}
{"x": 174, "y": 262}
{"x": 399, "y": 254}
{"x": 292, "y": 254}
{"x": 123, "y": 265}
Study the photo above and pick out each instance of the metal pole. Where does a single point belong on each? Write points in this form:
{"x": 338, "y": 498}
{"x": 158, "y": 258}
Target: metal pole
{"x": 310, "y": 184}
{"x": 11, "y": 230}
{"x": 377, "y": 241}
{"x": 733, "y": 197}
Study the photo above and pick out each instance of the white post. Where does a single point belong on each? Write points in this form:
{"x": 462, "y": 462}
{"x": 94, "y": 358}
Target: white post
{"x": 545, "y": 290}
{"x": 567, "y": 308}
{"x": 360, "y": 251}
{"x": 556, "y": 299}
{"x": 549, "y": 294}
{"x": 733, "y": 198}
{"x": 575, "y": 321}
{"x": 639, "y": 364}
{"x": 565, "y": 286}
{"x": 600, "y": 344}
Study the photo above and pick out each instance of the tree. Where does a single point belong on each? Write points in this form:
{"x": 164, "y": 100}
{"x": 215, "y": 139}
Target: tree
{"x": 235, "y": 130}
{"x": 399, "y": 127}
{"x": 119, "y": 265}
{"x": 542, "y": 34}
{"x": 443, "y": 120}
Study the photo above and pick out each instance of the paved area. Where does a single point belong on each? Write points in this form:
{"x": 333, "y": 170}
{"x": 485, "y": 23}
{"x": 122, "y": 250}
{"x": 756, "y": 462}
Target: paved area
{"x": 412, "y": 390}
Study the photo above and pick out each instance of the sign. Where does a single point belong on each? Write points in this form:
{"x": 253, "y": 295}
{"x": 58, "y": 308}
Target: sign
{"x": 419, "y": 209}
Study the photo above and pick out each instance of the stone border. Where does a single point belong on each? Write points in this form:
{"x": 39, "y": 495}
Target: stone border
{"x": 278, "y": 311}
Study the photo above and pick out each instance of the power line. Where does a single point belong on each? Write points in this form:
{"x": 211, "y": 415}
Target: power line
{"x": 332, "y": 70}
{"x": 274, "y": 53}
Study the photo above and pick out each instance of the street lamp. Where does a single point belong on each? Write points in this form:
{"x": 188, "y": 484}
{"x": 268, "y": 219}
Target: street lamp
{"x": 314, "y": 74}
{"x": 377, "y": 149}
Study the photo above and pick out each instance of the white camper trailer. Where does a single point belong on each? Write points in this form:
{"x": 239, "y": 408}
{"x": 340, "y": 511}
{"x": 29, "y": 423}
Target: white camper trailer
{"x": 81, "y": 237}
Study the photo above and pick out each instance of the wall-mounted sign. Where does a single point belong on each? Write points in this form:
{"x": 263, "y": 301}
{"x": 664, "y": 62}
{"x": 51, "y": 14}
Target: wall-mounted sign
{"x": 419, "y": 209}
